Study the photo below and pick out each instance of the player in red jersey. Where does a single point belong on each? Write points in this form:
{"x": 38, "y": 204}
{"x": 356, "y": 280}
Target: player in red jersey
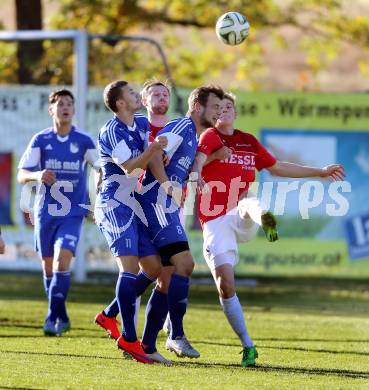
{"x": 228, "y": 214}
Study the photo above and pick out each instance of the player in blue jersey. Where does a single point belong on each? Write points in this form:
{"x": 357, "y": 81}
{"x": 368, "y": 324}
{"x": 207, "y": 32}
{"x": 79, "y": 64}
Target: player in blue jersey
{"x": 160, "y": 200}
{"x": 124, "y": 152}
{"x": 56, "y": 158}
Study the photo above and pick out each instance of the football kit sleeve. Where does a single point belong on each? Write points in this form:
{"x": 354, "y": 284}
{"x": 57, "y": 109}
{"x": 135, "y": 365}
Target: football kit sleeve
{"x": 174, "y": 140}
{"x": 121, "y": 152}
{"x": 209, "y": 142}
{"x": 92, "y": 155}
{"x": 32, "y": 155}
{"x": 264, "y": 159}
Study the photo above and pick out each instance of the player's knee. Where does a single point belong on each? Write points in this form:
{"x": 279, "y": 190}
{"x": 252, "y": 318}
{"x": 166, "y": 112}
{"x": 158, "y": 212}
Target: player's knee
{"x": 191, "y": 267}
{"x": 153, "y": 270}
{"x": 162, "y": 284}
{"x": 151, "y": 265}
{"x": 187, "y": 267}
{"x": 47, "y": 270}
{"x": 61, "y": 265}
{"x": 226, "y": 288}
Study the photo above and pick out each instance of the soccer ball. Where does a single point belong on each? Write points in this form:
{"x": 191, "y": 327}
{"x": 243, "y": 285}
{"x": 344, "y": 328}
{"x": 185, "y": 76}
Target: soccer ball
{"x": 232, "y": 28}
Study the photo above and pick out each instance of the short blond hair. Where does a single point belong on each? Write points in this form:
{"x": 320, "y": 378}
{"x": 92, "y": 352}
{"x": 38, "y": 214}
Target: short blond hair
{"x": 230, "y": 96}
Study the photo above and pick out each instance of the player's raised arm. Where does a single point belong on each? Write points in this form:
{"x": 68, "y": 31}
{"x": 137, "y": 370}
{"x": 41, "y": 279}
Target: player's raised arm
{"x": 142, "y": 161}
{"x": 287, "y": 169}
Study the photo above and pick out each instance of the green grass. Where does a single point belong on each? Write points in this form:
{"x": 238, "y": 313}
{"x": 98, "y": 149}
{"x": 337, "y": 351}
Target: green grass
{"x": 310, "y": 334}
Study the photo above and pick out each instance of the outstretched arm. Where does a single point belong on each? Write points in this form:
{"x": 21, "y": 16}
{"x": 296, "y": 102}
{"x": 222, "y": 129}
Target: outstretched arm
{"x": 287, "y": 169}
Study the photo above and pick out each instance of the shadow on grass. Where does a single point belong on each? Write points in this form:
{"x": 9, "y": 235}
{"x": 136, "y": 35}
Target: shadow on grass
{"x": 7, "y": 324}
{"x": 292, "y": 348}
{"x": 288, "y": 370}
{"x": 317, "y": 350}
{"x": 68, "y": 355}
{"x": 314, "y": 340}
{"x": 265, "y": 368}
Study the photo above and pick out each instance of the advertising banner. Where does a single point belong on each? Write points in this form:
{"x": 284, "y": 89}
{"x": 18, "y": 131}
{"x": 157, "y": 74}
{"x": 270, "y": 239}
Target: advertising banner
{"x": 323, "y": 229}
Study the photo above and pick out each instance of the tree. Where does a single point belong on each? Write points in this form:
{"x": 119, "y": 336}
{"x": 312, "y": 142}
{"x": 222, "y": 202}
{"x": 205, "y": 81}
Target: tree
{"x": 186, "y": 30}
{"x": 29, "y": 53}
{"x": 323, "y": 30}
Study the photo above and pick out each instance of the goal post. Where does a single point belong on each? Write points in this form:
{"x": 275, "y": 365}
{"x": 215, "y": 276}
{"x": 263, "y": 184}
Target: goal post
{"x": 80, "y": 86}
{"x": 80, "y": 71}
{"x": 15, "y": 100}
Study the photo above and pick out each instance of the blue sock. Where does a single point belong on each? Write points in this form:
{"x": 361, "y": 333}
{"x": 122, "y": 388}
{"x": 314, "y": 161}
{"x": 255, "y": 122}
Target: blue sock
{"x": 126, "y": 296}
{"x": 142, "y": 282}
{"x": 47, "y": 281}
{"x": 58, "y": 292}
{"x": 156, "y": 312}
{"x": 113, "y": 309}
{"x": 177, "y": 303}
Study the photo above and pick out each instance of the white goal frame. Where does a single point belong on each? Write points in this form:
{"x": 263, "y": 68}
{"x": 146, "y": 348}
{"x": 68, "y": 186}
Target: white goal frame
{"x": 81, "y": 40}
{"x": 80, "y": 85}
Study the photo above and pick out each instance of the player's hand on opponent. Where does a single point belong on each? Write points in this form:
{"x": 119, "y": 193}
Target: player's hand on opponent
{"x": 197, "y": 182}
{"x": 334, "y": 171}
{"x": 223, "y": 153}
{"x": 166, "y": 159}
{"x": 2, "y": 246}
{"x": 47, "y": 177}
{"x": 175, "y": 191}
{"x": 159, "y": 143}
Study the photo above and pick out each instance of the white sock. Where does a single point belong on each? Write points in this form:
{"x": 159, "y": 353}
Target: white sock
{"x": 233, "y": 311}
{"x": 167, "y": 323}
{"x": 250, "y": 207}
{"x": 138, "y": 303}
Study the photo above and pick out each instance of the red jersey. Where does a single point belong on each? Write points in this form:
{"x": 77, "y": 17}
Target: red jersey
{"x": 228, "y": 179}
{"x": 154, "y": 130}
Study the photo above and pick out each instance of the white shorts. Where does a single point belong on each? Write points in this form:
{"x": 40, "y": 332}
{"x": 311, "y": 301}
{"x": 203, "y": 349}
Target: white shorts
{"x": 222, "y": 235}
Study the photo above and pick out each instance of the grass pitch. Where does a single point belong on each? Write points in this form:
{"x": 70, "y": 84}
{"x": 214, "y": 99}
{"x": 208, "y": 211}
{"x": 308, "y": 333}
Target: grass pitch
{"x": 310, "y": 334}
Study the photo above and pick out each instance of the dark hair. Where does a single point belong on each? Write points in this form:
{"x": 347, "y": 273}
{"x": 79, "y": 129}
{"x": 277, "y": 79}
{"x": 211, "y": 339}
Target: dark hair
{"x": 54, "y": 96}
{"x": 112, "y": 93}
{"x": 200, "y": 95}
{"x": 152, "y": 83}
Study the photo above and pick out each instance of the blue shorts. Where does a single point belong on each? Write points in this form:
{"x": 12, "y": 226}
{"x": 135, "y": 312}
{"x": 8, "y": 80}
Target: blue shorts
{"x": 123, "y": 232}
{"x": 163, "y": 228}
{"x": 60, "y": 232}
